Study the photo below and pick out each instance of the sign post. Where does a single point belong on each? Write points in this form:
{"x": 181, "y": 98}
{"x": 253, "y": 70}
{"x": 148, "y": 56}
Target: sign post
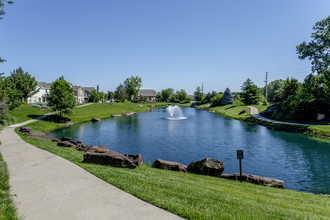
{"x": 240, "y": 157}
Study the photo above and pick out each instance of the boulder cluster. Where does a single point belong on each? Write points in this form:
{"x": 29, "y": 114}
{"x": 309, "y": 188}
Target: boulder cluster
{"x": 103, "y": 156}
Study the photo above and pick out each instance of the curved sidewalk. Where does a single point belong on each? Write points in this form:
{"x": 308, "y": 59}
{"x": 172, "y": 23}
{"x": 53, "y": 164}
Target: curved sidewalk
{"x": 255, "y": 113}
{"x": 46, "y": 186}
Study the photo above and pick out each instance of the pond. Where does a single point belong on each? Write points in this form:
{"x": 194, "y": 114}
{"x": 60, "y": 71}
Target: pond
{"x": 300, "y": 160}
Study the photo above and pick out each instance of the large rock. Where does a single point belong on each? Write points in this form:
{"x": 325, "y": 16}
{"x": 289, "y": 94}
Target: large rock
{"x": 83, "y": 147}
{"x": 95, "y": 120}
{"x": 103, "y": 156}
{"x": 115, "y": 115}
{"x": 169, "y": 165}
{"x": 207, "y": 166}
{"x": 255, "y": 179}
{"x": 136, "y": 159}
{"x": 25, "y": 130}
{"x": 71, "y": 140}
{"x": 66, "y": 144}
{"x": 74, "y": 143}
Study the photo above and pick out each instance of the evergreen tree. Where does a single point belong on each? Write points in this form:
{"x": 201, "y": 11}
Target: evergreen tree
{"x": 250, "y": 93}
{"x": 198, "y": 94}
{"x": 227, "y": 97}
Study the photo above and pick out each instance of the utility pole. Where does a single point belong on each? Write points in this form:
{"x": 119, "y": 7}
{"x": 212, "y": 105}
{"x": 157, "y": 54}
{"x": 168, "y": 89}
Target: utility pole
{"x": 266, "y": 86}
{"x": 202, "y": 88}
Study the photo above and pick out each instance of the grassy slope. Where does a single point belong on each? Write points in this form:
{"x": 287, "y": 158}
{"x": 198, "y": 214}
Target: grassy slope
{"x": 201, "y": 197}
{"x": 7, "y": 208}
{"x": 233, "y": 111}
{"x": 26, "y": 112}
{"x": 86, "y": 113}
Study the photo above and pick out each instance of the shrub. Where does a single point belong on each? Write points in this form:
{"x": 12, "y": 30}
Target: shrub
{"x": 216, "y": 100}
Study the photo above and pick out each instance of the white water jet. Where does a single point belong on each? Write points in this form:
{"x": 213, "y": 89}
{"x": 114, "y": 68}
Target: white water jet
{"x": 175, "y": 112}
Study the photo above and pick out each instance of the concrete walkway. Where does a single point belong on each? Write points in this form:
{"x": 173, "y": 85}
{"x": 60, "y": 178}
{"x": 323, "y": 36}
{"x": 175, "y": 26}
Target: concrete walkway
{"x": 46, "y": 186}
{"x": 255, "y": 113}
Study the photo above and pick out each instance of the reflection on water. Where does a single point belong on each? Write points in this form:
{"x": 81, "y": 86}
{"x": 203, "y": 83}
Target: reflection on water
{"x": 301, "y": 161}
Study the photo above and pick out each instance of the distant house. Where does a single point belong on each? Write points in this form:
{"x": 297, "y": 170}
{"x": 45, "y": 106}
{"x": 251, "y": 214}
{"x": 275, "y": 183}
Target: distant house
{"x": 88, "y": 92}
{"x": 147, "y": 95}
{"x": 79, "y": 94}
{"x": 41, "y": 95}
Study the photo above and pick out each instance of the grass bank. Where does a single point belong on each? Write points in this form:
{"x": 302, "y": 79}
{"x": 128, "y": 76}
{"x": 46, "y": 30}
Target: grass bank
{"x": 200, "y": 197}
{"x": 7, "y": 208}
{"x": 86, "y": 113}
{"x": 233, "y": 111}
{"x": 26, "y": 112}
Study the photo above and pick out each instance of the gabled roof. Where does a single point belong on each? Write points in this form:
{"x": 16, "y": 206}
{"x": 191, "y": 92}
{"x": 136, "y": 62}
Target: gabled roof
{"x": 76, "y": 88}
{"x": 147, "y": 92}
{"x": 45, "y": 85}
{"x": 89, "y": 89}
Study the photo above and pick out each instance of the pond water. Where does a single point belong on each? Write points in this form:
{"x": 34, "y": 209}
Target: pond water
{"x": 303, "y": 162}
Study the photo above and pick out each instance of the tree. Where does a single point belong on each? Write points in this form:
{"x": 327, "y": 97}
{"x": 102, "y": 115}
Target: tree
{"x": 198, "y": 94}
{"x": 318, "y": 50}
{"x": 111, "y": 95}
{"x": 94, "y": 96}
{"x": 216, "y": 100}
{"x": 23, "y": 83}
{"x": 166, "y": 94}
{"x": 132, "y": 87}
{"x": 2, "y": 13}
{"x": 250, "y": 93}
{"x": 227, "y": 98}
{"x": 181, "y": 95}
{"x": 159, "y": 97}
{"x": 291, "y": 87}
{"x": 275, "y": 90}
{"x": 120, "y": 93}
{"x": 61, "y": 97}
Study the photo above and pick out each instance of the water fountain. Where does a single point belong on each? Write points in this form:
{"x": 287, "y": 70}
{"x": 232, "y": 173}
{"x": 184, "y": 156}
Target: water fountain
{"x": 175, "y": 112}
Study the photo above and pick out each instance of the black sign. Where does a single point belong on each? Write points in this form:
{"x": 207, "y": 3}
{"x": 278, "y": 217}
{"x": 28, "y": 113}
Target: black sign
{"x": 240, "y": 154}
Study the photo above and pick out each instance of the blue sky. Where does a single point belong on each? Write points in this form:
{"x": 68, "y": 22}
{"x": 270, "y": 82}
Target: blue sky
{"x": 170, "y": 44}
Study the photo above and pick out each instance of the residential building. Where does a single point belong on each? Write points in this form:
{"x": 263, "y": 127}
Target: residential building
{"x": 88, "y": 92}
{"x": 79, "y": 94}
{"x": 147, "y": 95}
{"x": 41, "y": 95}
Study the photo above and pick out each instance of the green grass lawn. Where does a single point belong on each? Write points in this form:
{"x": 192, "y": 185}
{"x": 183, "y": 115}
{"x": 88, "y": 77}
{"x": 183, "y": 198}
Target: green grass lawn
{"x": 7, "y": 208}
{"x": 26, "y": 112}
{"x": 200, "y": 197}
{"x": 86, "y": 113}
{"x": 233, "y": 110}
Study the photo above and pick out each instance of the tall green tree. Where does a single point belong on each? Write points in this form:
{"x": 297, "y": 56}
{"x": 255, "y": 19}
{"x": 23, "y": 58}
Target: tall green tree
{"x": 94, "y": 96}
{"x": 227, "y": 97}
{"x": 318, "y": 50}
{"x": 181, "y": 95}
{"x": 132, "y": 87}
{"x": 111, "y": 95}
{"x": 2, "y": 13}
{"x": 120, "y": 93}
{"x": 166, "y": 94}
{"x": 61, "y": 97}
{"x": 198, "y": 94}
{"x": 275, "y": 90}
{"x": 250, "y": 93}
{"x": 291, "y": 87}
{"x": 24, "y": 84}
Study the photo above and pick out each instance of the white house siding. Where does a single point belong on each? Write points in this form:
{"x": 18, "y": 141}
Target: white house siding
{"x": 39, "y": 96}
